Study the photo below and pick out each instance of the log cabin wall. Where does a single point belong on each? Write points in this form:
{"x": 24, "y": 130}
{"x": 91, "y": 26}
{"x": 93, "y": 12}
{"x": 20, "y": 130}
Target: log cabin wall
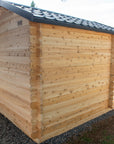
{"x": 52, "y": 78}
{"x": 75, "y": 69}
{"x": 15, "y": 94}
{"x": 36, "y": 81}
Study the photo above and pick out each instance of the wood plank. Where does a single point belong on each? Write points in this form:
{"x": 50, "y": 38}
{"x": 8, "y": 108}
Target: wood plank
{"x": 35, "y": 80}
{"x": 15, "y": 95}
{"x": 75, "y": 68}
{"x": 57, "y": 132}
{"x": 111, "y": 96}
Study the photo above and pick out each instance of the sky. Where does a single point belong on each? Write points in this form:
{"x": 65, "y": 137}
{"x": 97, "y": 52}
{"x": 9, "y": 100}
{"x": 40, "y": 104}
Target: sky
{"x": 95, "y": 10}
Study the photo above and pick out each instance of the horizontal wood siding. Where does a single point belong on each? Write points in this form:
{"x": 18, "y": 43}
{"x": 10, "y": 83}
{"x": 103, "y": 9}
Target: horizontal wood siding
{"x": 53, "y": 78}
{"x": 111, "y": 98}
{"x": 75, "y": 68}
{"x": 15, "y": 95}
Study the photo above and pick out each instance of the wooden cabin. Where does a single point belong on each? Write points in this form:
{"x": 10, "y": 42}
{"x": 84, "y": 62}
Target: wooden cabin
{"x": 56, "y": 71}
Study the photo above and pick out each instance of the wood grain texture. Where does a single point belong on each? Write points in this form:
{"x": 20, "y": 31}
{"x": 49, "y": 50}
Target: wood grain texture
{"x": 76, "y": 77}
{"x": 35, "y": 81}
{"x": 15, "y": 94}
{"x": 53, "y": 78}
{"x": 111, "y": 97}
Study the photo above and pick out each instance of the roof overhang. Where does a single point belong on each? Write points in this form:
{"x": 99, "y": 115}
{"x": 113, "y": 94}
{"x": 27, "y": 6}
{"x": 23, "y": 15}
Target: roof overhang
{"x": 49, "y": 17}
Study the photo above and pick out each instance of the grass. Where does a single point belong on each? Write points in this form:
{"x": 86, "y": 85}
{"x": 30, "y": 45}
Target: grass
{"x": 86, "y": 139}
{"x": 101, "y": 133}
{"x": 108, "y": 140}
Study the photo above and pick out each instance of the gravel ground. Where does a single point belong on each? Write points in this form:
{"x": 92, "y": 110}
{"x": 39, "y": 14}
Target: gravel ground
{"x": 10, "y": 134}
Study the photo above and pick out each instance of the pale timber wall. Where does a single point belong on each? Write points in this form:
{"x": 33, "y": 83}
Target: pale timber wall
{"x": 75, "y": 73}
{"x": 52, "y": 78}
{"x": 15, "y": 95}
{"x": 111, "y": 97}
{"x": 36, "y": 81}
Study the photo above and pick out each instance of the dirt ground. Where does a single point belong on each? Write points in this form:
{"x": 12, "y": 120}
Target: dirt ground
{"x": 101, "y": 133}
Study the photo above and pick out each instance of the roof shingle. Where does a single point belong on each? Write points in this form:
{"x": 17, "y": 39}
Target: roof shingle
{"x": 44, "y": 16}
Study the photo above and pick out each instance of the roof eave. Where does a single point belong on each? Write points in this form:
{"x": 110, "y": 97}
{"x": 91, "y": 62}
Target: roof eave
{"x": 17, "y": 10}
{"x": 34, "y": 18}
{"x": 61, "y": 23}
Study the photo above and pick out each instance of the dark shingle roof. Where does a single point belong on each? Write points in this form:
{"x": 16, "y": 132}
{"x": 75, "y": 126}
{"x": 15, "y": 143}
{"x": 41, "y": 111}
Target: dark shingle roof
{"x": 44, "y": 16}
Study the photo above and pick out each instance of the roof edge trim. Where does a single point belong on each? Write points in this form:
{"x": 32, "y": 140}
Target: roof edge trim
{"x": 16, "y": 8}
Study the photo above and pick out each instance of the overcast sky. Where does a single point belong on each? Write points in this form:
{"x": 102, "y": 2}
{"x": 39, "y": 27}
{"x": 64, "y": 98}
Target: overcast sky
{"x": 96, "y": 10}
